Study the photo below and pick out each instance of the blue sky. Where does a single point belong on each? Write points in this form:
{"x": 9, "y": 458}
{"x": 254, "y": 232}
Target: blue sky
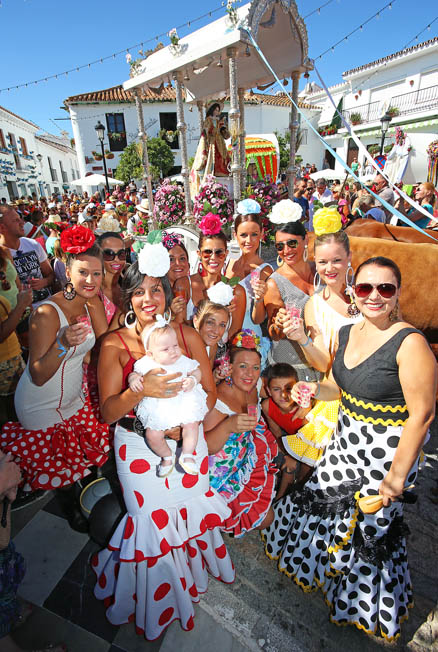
{"x": 45, "y": 37}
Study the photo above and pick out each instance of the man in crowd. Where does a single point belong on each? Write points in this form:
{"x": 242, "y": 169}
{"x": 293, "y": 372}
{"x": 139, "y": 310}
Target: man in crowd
{"x": 383, "y": 190}
{"x": 30, "y": 259}
{"x": 300, "y": 197}
{"x": 321, "y": 194}
{"x": 370, "y": 210}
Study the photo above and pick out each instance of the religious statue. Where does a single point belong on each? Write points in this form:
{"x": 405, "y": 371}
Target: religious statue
{"x": 212, "y": 156}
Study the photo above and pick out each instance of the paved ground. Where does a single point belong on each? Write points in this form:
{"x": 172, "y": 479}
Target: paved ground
{"x": 261, "y": 610}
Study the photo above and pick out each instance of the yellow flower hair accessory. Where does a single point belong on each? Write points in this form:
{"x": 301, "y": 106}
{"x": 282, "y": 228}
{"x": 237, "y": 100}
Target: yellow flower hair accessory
{"x": 327, "y": 220}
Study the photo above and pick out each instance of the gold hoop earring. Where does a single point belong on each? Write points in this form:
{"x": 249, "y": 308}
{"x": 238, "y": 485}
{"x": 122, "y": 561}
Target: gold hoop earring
{"x": 279, "y": 264}
{"x": 305, "y": 254}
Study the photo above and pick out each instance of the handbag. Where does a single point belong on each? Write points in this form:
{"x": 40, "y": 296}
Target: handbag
{"x": 5, "y": 523}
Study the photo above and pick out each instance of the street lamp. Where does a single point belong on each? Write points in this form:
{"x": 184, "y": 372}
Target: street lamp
{"x": 100, "y": 131}
{"x": 384, "y": 121}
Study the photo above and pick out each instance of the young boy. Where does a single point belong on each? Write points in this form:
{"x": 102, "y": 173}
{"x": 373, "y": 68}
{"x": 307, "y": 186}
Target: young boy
{"x": 284, "y": 417}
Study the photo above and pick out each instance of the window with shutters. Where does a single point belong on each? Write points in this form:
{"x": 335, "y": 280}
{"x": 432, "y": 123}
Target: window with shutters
{"x": 116, "y": 131}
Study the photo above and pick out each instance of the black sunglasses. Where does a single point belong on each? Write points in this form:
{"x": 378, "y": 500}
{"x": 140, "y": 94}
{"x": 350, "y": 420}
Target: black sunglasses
{"x": 386, "y": 290}
{"x": 292, "y": 244}
{"x": 109, "y": 254}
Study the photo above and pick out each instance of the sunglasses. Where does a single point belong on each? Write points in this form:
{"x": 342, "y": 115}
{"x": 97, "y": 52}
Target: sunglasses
{"x": 207, "y": 253}
{"x": 109, "y": 254}
{"x": 386, "y": 290}
{"x": 4, "y": 282}
{"x": 292, "y": 244}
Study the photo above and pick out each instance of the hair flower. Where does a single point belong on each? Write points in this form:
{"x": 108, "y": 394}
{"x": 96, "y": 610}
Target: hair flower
{"x": 327, "y": 220}
{"x": 210, "y": 224}
{"x": 154, "y": 260}
{"x": 221, "y": 293}
{"x": 108, "y": 222}
{"x": 77, "y": 239}
{"x": 285, "y": 211}
{"x": 248, "y": 207}
{"x": 247, "y": 339}
{"x": 171, "y": 240}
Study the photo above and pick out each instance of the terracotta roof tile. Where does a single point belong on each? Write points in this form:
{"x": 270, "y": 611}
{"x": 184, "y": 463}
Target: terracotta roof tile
{"x": 117, "y": 94}
{"x": 395, "y": 55}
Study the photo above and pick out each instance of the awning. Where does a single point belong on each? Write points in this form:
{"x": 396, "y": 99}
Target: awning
{"x": 417, "y": 124}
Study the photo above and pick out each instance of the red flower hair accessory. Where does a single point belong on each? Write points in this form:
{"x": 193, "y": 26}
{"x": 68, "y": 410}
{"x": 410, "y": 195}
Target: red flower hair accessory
{"x": 210, "y": 224}
{"x": 247, "y": 339}
{"x": 77, "y": 239}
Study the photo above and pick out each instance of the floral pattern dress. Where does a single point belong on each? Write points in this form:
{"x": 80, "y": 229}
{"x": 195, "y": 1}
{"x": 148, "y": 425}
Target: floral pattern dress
{"x": 243, "y": 473}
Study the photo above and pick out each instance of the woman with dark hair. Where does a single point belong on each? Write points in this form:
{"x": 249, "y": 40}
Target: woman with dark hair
{"x": 252, "y": 271}
{"x": 289, "y": 286}
{"x": 156, "y": 563}
{"x": 60, "y": 437}
{"x": 384, "y": 374}
{"x": 213, "y": 245}
{"x": 114, "y": 263}
{"x": 212, "y": 156}
{"x": 241, "y": 447}
{"x": 182, "y": 306}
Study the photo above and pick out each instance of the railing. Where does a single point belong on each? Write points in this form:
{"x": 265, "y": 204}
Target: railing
{"x": 424, "y": 99}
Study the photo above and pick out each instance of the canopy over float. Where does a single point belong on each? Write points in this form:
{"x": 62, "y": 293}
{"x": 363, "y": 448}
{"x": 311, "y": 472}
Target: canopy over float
{"x": 219, "y": 60}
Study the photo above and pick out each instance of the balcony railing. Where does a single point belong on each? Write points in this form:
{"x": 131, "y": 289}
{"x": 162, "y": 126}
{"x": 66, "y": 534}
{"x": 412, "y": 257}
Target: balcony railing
{"x": 424, "y": 99}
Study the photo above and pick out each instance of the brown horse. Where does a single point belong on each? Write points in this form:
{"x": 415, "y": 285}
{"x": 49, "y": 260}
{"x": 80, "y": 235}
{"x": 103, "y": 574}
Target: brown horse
{"x": 371, "y": 229}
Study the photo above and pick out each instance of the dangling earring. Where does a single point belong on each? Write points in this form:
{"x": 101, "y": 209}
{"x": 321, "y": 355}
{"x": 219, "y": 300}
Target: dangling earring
{"x": 305, "y": 254}
{"x": 129, "y": 322}
{"x": 229, "y": 381}
{"x": 394, "y": 315}
{"x": 69, "y": 291}
{"x": 349, "y": 281}
{"x": 316, "y": 283}
{"x": 167, "y": 316}
{"x": 201, "y": 270}
{"x": 279, "y": 264}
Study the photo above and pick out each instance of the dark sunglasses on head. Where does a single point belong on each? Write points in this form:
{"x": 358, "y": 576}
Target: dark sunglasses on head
{"x": 109, "y": 254}
{"x": 386, "y": 290}
{"x": 207, "y": 253}
{"x": 292, "y": 244}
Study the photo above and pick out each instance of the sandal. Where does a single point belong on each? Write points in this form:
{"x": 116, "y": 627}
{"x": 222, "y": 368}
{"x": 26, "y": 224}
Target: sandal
{"x": 189, "y": 467}
{"x": 164, "y": 471}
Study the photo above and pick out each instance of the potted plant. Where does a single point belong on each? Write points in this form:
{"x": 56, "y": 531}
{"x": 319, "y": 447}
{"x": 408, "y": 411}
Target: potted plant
{"x": 355, "y": 118}
{"x": 393, "y": 111}
{"x": 108, "y": 154}
{"x": 388, "y": 148}
{"x": 97, "y": 156}
{"x": 373, "y": 149}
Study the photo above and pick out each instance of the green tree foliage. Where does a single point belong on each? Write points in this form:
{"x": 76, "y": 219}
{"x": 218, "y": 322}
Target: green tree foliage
{"x": 129, "y": 166}
{"x": 284, "y": 145}
{"x": 161, "y": 158}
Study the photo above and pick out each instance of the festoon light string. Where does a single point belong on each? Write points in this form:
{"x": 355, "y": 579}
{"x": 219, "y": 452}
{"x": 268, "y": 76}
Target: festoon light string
{"x": 133, "y": 47}
{"x": 419, "y": 33}
{"x": 382, "y": 201}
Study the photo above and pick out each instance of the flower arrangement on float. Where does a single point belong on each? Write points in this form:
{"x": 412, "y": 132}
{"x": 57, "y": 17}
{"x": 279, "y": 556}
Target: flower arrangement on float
{"x": 213, "y": 197}
{"x": 267, "y": 194}
{"x": 169, "y": 204}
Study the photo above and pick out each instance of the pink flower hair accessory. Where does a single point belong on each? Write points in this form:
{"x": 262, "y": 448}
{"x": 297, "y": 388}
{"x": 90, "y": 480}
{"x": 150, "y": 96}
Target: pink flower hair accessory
{"x": 210, "y": 224}
{"x": 171, "y": 240}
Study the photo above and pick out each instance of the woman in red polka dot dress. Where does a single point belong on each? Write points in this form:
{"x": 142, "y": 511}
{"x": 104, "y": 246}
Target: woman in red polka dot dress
{"x": 158, "y": 559}
{"x": 59, "y": 436}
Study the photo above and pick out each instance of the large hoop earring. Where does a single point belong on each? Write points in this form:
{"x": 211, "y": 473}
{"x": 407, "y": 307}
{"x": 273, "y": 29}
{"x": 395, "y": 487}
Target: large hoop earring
{"x": 316, "y": 283}
{"x": 279, "y": 264}
{"x": 306, "y": 254}
{"x": 167, "y": 316}
{"x": 129, "y": 322}
{"x": 349, "y": 281}
{"x": 69, "y": 291}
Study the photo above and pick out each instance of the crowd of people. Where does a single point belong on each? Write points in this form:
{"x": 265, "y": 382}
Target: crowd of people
{"x": 244, "y": 396}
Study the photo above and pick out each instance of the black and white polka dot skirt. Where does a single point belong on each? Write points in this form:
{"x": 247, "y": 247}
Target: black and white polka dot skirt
{"x": 321, "y": 539}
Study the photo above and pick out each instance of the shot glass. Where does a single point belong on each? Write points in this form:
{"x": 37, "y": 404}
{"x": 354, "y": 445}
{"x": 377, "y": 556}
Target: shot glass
{"x": 85, "y": 321}
{"x": 179, "y": 293}
{"x": 254, "y": 279}
{"x": 305, "y": 396}
{"x": 294, "y": 313}
{"x": 252, "y": 410}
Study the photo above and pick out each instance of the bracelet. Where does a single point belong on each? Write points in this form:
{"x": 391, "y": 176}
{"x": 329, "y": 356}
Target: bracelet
{"x": 307, "y": 342}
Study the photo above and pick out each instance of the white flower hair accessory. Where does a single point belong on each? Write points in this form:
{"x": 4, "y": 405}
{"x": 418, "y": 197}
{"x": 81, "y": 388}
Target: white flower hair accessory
{"x": 221, "y": 293}
{"x": 108, "y": 223}
{"x": 160, "y": 322}
{"x": 154, "y": 260}
{"x": 285, "y": 211}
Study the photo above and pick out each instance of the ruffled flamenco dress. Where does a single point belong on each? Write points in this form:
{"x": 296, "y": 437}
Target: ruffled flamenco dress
{"x": 159, "y": 558}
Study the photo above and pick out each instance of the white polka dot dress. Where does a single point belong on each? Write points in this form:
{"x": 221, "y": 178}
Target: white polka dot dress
{"x": 159, "y": 557}
{"x": 319, "y": 536}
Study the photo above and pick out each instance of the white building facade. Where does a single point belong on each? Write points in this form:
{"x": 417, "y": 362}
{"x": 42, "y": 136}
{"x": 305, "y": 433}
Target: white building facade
{"x": 33, "y": 163}
{"x": 405, "y": 84}
{"x": 115, "y": 109}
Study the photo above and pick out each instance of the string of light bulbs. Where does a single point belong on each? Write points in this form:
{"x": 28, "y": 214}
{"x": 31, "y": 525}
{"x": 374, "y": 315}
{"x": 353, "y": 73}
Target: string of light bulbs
{"x": 126, "y": 50}
{"x": 419, "y": 33}
{"x": 356, "y": 29}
